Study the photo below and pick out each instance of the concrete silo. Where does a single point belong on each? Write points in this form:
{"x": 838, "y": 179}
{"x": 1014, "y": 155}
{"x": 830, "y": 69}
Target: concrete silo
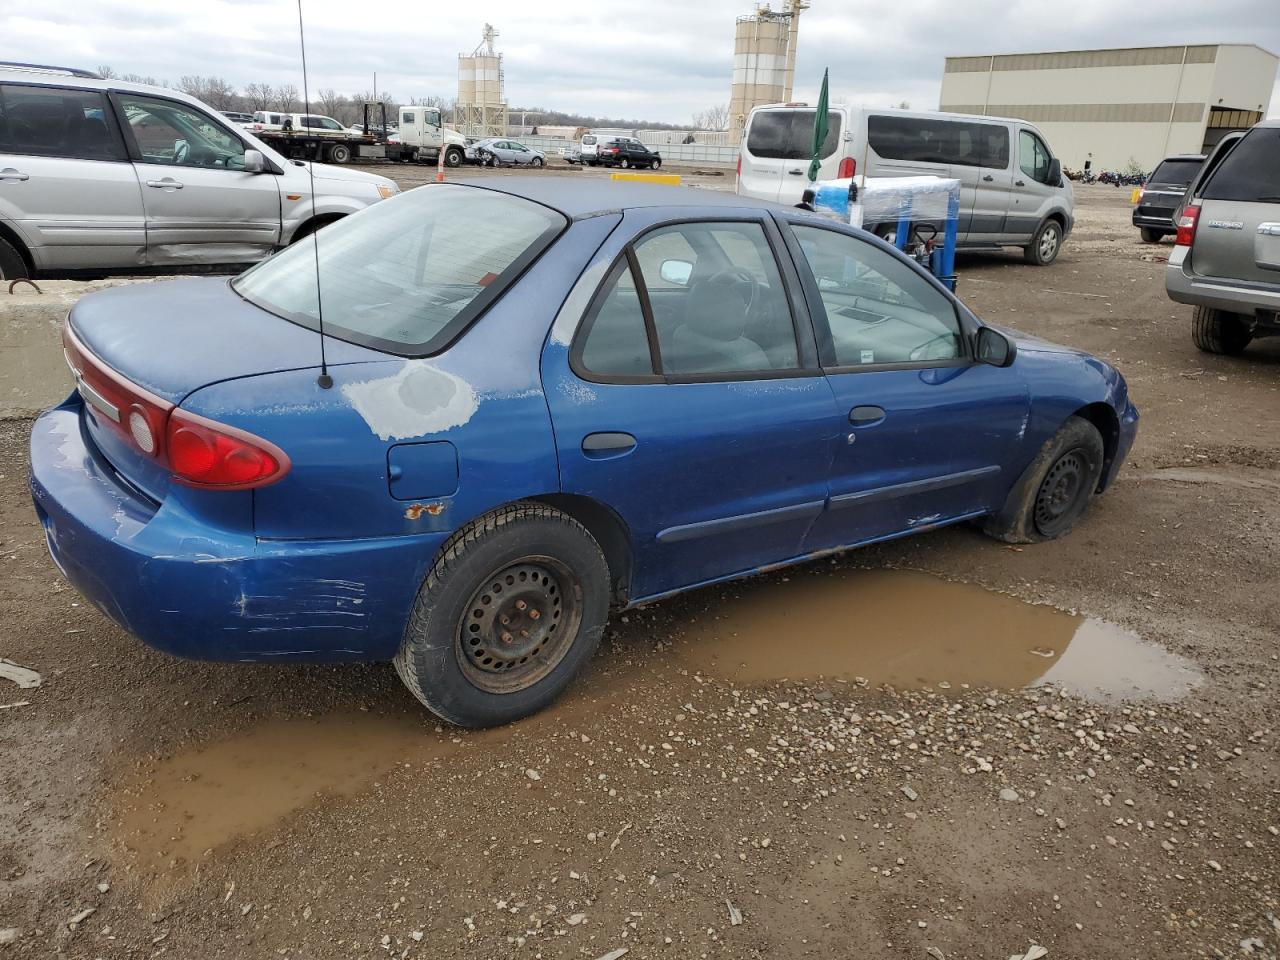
{"x": 482, "y": 109}
{"x": 764, "y": 59}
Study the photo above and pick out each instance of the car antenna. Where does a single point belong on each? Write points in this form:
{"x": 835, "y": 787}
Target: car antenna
{"x": 324, "y": 380}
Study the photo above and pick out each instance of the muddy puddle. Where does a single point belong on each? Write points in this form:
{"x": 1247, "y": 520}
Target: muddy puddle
{"x": 910, "y": 630}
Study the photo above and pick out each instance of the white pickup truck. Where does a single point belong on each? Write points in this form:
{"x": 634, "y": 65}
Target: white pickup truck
{"x": 423, "y": 136}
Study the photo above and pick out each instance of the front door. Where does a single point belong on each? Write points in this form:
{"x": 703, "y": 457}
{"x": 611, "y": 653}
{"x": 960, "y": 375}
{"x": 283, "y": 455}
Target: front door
{"x": 66, "y": 183}
{"x": 927, "y": 432}
{"x": 1031, "y": 193}
{"x": 690, "y": 403}
{"x": 201, "y": 206}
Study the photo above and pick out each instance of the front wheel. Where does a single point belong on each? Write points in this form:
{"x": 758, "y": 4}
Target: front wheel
{"x": 1217, "y": 331}
{"x": 453, "y": 157}
{"x": 1044, "y": 246}
{"x": 655, "y": 165}
{"x": 1150, "y": 235}
{"x": 511, "y": 610}
{"x": 1054, "y": 491}
{"x": 537, "y": 161}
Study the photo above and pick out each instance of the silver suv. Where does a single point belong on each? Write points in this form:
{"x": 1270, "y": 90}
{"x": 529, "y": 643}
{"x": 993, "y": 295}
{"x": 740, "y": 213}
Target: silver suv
{"x": 1227, "y": 258}
{"x": 101, "y": 176}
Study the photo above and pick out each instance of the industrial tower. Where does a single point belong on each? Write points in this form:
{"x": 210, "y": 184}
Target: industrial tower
{"x": 764, "y": 59}
{"x": 482, "y": 108}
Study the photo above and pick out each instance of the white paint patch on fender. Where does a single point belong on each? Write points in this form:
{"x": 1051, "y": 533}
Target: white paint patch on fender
{"x": 418, "y": 400}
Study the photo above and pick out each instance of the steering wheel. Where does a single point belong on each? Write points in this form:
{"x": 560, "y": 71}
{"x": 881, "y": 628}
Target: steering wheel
{"x": 739, "y": 277}
{"x": 181, "y": 150}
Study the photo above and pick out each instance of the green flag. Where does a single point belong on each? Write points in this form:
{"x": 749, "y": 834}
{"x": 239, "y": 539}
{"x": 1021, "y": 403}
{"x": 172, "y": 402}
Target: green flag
{"x": 819, "y": 130}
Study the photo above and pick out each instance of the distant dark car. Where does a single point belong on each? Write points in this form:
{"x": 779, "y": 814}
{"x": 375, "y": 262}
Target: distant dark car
{"x": 628, "y": 153}
{"x": 1162, "y": 194}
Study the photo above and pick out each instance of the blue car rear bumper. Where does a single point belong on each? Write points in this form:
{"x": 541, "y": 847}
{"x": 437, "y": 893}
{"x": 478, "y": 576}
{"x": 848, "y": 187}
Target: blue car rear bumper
{"x": 239, "y": 598}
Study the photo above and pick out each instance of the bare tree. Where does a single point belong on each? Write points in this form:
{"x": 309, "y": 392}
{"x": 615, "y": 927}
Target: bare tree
{"x": 713, "y": 118}
{"x": 286, "y": 98}
{"x": 219, "y": 94}
{"x": 258, "y": 95}
{"x": 106, "y": 73}
{"x": 331, "y": 102}
{"x": 904, "y": 105}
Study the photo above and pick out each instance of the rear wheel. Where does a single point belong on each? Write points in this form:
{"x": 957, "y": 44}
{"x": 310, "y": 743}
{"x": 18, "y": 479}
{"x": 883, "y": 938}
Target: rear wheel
{"x": 339, "y": 153}
{"x": 510, "y": 611}
{"x": 1044, "y": 246}
{"x": 12, "y": 266}
{"x": 1217, "y": 331}
{"x": 1054, "y": 491}
{"x": 1150, "y": 235}
{"x": 624, "y": 163}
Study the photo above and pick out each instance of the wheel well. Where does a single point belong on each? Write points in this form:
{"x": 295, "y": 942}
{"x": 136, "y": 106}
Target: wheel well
{"x": 16, "y": 242}
{"x": 609, "y": 530}
{"x": 1102, "y": 416}
{"x": 308, "y": 227}
{"x": 1059, "y": 219}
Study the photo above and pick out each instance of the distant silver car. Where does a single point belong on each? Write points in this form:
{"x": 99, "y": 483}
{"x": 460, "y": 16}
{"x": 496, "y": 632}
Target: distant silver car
{"x": 101, "y": 175}
{"x": 495, "y": 151}
{"x": 1226, "y": 261}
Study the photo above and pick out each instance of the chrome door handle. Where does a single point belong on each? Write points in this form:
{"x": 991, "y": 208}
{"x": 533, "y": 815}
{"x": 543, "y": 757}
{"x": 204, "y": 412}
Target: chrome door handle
{"x": 165, "y": 184}
{"x": 8, "y": 173}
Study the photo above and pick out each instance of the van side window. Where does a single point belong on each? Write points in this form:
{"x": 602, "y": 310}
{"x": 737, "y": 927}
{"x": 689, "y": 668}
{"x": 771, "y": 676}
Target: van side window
{"x": 913, "y": 139}
{"x": 1033, "y": 156}
{"x": 54, "y": 122}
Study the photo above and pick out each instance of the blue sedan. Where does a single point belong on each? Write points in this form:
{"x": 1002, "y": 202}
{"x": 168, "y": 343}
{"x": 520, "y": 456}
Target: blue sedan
{"x": 531, "y": 403}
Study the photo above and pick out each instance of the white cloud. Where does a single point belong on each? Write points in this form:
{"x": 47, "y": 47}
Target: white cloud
{"x": 659, "y": 60}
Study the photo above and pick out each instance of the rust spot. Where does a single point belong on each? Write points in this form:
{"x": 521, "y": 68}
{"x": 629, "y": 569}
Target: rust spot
{"x": 415, "y": 511}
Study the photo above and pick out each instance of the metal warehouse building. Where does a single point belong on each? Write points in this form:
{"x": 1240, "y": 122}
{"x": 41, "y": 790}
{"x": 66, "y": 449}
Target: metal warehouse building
{"x": 1134, "y": 104}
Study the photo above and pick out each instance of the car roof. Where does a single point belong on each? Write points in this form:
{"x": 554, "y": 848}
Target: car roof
{"x": 579, "y": 198}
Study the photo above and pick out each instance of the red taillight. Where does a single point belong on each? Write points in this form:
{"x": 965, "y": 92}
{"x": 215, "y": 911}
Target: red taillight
{"x": 848, "y": 167}
{"x": 205, "y": 453}
{"x": 1187, "y": 226}
{"x": 198, "y": 452}
{"x": 739, "y": 174}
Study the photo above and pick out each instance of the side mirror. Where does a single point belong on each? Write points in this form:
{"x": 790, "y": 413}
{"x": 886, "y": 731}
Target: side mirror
{"x": 254, "y": 162}
{"x": 676, "y": 271}
{"x": 994, "y": 348}
{"x": 1055, "y": 173}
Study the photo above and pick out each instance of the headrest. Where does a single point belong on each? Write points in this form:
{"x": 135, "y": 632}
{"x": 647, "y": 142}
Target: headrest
{"x": 716, "y": 310}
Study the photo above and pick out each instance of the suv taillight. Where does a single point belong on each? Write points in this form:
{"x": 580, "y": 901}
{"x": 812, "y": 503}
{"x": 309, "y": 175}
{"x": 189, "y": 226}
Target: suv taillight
{"x": 1187, "y": 226}
{"x": 848, "y": 167}
{"x": 198, "y": 452}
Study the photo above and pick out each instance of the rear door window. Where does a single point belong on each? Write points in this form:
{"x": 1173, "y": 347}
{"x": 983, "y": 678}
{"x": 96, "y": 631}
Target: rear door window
{"x": 56, "y": 122}
{"x": 788, "y": 134}
{"x": 916, "y": 139}
{"x": 1251, "y": 171}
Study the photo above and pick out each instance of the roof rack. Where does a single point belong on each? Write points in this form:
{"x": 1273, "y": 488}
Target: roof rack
{"x": 46, "y": 68}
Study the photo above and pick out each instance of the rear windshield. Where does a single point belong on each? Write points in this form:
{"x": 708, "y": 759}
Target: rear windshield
{"x": 406, "y": 275}
{"x": 788, "y": 134}
{"x": 1175, "y": 172}
{"x": 1251, "y": 171}
{"x": 588, "y": 140}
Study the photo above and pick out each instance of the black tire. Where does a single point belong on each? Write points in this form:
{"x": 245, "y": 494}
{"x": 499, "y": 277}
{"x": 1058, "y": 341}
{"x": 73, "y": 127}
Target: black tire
{"x": 655, "y": 165}
{"x": 537, "y": 162}
{"x": 453, "y": 157}
{"x": 624, "y": 163}
{"x": 12, "y": 266}
{"x": 1151, "y": 235}
{"x": 339, "y": 153}
{"x": 1217, "y": 331}
{"x": 546, "y": 560}
{"x": 1045, "y": 245}
{"x": 1054, "y": 491}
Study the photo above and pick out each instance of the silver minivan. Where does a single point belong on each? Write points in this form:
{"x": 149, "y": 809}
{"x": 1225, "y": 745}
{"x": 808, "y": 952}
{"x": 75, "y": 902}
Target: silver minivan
{"x": 105, "y": 176}
{"x": 1012, "y": 191}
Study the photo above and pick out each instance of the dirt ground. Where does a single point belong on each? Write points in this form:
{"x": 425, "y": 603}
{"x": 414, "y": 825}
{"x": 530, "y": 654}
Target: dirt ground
{"x": 686, "y": 800}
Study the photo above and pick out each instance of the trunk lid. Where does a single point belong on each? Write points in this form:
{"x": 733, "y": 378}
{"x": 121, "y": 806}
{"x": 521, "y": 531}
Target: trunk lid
{"x": 1238, "y": 236}
{"x": 167, "y": 340}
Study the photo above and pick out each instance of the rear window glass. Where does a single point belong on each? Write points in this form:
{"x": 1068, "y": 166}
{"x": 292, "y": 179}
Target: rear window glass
{"x": 588, "y": 140}
{"x": 406, "y": 275}
{"x": 788, "y": 134}
{"x": 1250, "y": 172}
{"x": 1177, "y": 172}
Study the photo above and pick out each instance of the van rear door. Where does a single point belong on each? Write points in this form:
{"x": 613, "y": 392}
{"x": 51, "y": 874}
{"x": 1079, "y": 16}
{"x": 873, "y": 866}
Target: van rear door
{"x": 776, "y": 151}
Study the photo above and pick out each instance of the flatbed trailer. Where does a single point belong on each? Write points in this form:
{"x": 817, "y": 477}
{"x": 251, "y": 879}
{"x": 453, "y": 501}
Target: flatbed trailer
{"x": 333, "y": 146}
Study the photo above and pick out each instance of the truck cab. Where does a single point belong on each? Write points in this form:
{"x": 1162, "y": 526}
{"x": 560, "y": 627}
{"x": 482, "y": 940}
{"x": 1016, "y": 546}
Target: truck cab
{"x": 421, "y": 127}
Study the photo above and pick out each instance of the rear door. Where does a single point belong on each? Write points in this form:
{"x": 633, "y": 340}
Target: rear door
{"x": 201, "y": 206}
{"x": 66, "y": 184}
{"x": 1238, "y": 235}
{"x": 777, "y": 148}
{"x": 689, "y": 401}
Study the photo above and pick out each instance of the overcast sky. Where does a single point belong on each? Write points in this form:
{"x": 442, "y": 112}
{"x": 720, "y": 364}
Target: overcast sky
{"x": 655, "y": 60}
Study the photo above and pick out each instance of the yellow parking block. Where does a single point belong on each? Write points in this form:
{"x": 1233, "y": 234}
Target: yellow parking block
{"x": 671, "y": 179}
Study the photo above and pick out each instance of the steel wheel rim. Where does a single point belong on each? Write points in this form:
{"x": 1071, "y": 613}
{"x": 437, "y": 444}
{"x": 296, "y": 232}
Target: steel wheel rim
{"x": 1048, "y": 242}
{"x": 1060, "y": 492}
{"x": 519, "y": 624}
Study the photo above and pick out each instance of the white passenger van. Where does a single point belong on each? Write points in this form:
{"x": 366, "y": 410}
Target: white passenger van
{"x": 1012, "y": 192}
